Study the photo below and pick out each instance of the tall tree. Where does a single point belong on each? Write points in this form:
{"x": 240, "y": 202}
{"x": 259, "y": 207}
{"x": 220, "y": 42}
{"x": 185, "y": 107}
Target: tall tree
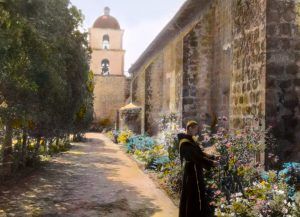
{"x": 45, "y": 81}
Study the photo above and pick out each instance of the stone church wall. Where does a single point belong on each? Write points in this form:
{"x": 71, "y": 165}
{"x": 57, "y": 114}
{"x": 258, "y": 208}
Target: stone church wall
{"x": 138, "y": 94}
{"x": 222, "y": 59}
{"x": 112, "y": 92}
{"x": 197, "y": 68}
{"x": 153, "y": 95}
{"x": 247, "y": 94}
{"x": 283, "y": 75}
{"x": 237, "y": 58}
{"x": 157, "y": 87}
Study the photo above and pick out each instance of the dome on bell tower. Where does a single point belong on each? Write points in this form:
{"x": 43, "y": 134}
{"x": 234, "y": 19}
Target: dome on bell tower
{"x": 107, "y": 21}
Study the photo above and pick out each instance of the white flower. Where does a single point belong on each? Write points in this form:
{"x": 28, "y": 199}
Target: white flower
{"x": 281, "y": 192}
{"x": 285, "y": 210}
{"x": 239, "y": 194}
{"x": 238, "y": 199}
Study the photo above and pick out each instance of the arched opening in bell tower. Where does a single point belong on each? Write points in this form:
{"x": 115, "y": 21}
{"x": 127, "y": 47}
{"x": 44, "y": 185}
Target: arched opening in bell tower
{"x": 105, "y": 67}
{"x": 105, "y": 42}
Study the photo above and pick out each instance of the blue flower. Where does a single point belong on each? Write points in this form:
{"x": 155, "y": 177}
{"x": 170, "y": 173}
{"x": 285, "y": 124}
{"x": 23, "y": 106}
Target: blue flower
{"x": 290, "y": 175}
{"x": 264, "y": 175}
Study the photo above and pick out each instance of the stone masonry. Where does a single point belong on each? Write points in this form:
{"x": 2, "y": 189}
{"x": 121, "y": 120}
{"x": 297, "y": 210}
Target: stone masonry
{"x": 233, "y": 58}
{"x": 283, "y": 75}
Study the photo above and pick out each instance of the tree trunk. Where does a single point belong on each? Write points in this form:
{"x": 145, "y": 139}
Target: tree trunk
{"x": 47, "y": 141}
{"x": 7, "y": 150}
{"x": 24, "y": 148}
{"x": 37, "y": 148}
{"x": 50, "y": 146}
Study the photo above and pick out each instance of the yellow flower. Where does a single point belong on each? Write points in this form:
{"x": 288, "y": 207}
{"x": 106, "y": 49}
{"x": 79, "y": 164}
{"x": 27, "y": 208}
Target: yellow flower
{"x": 124, "y": 136}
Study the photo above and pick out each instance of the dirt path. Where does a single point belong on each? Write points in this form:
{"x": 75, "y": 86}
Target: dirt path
{"x": 93, "y": 179}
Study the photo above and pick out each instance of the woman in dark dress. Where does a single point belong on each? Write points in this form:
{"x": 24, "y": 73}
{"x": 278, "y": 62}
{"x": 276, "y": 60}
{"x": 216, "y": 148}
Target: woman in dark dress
{"x": 193, "y": 201}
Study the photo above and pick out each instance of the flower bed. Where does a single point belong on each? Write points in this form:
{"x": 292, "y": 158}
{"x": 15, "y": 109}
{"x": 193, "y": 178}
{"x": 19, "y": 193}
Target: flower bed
{"x": 239, "y": 186}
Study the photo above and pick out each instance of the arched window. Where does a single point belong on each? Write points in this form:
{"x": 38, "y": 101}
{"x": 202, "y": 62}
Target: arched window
{"x": 105, "y": 42}
{"x": 105, "y": 67}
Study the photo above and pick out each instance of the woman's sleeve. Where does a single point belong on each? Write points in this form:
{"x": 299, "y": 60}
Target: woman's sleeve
{"x": 194, "y": 153}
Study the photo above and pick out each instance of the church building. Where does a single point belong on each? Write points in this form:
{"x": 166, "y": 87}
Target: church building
{"x": 107, "y": 63}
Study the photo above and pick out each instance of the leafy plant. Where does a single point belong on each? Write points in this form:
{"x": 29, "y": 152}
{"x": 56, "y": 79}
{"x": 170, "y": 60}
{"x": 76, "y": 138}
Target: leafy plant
{"x": 240, "y": 186}
{"x": 113, "y": 135}
{"x": 124, "y": 136}
{"x": 140, "y": 143}
{"x": 169, "y": 129}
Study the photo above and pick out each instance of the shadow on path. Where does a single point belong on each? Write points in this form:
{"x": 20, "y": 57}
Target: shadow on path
{"x": 92, "y": 179}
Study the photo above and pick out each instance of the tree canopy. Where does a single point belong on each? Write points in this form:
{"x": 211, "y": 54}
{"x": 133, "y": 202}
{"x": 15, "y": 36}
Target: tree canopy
{"x": 46, "y": 88}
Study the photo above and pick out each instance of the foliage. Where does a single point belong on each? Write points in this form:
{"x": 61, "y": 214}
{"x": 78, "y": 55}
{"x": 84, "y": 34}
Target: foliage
{"x": 155, "y": 157}
{"x": 113, "y": 135}
{"x": 239, "y": 186}
{"x": 238, "y": 151}
{"x": 172, "y": 176}
{"x": 160, "y": 153}
{"x": 45, "y": 82}
{"x": 290, "y": 174}
{"x": 169, "y": 128}
{"x": 264, "y": 198}
{"x": 124, "y": 136}
{"x": 139, "y": 143}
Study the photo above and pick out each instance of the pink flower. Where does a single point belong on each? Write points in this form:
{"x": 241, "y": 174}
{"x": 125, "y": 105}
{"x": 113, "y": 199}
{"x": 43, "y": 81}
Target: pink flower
{"x": 228, "y": 145}
{"x": 218, "y": 192}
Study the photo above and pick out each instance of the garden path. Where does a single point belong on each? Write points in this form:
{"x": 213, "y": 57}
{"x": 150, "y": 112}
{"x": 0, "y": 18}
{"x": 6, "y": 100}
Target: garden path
{"x": 95, "y": 178}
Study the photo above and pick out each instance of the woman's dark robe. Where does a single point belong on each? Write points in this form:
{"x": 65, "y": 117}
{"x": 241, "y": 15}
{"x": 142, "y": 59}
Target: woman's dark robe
{"x": 193, "y": 201}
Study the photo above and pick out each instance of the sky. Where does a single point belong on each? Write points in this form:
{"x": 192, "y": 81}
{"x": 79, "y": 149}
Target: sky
{"x": 142, "y": 20}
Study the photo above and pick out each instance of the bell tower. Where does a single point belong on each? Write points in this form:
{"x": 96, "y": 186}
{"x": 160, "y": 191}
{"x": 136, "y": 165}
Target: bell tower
{"x": 107, "y": 64}
{"x": 106, "y": 41}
